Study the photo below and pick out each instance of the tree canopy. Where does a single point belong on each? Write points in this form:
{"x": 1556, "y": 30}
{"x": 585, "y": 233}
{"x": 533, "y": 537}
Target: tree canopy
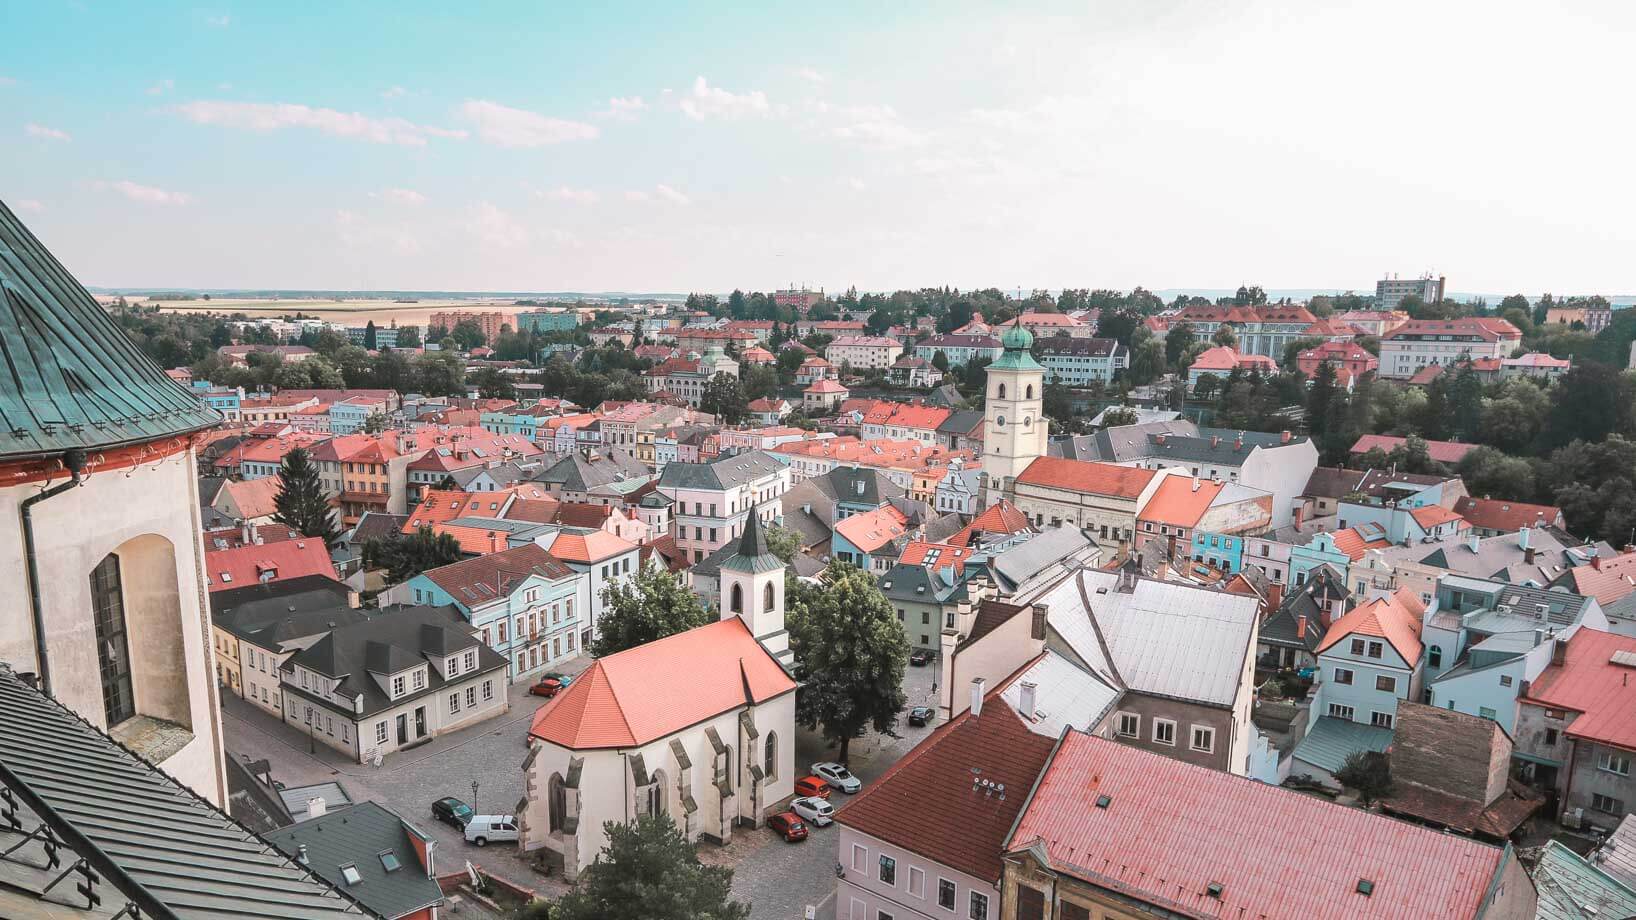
{"x": 649, "y": 870}
{"x": 301, "y": 503}
{"x": 652, "y": 605}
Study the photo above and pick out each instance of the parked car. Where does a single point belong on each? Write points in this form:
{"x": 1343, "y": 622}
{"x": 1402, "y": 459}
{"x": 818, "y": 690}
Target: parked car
{"x": 815, "y": 809}
{"x": 837, "y": 776}
{"x": 547, "y": 688}
{"x": 499, "y": 828}
{"x": 451, "y": 811}
{"x": 921, "y": 715}
{"x": 559, "y": 677}
{"x": 921, "y": 656}
{"x": 812, "y": 787}
{"x": 788, "y": 826}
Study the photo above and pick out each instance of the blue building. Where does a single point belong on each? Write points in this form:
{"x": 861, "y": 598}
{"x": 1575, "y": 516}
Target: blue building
{"x": 1221, "y": 551}
{"x": 541, "y": 321}
{"x": 526, "y": 604}
{"x": 225, "y": 400}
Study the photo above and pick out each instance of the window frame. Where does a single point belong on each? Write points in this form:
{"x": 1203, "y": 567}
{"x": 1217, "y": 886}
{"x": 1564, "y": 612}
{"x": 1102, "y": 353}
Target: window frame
{"x": 1159, "y": 724}
{"x": 886, "y": 866}
{"x": 1346, "y": 680}
{"x": 1386, "y": 678}
{"x": 954, "y": 894}
{"x": 1210, "y": 739}
{"x": 1136, "y": 728}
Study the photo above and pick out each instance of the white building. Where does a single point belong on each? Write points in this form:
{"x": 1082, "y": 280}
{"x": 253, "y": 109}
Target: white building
{"x": 1080, "y": 362}
{"x": 101, "y": 559}
{"x": 712, "y": 500}
{"x": 699, "y": 726}
{"x": 1421, "y": 342}
{"x": 863, "y": 351}
{"x": 1015, "y": 428}
{"x": 1389, "y": 292}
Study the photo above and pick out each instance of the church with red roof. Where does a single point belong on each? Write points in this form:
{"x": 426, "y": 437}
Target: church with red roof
{"x": 699, "y": 726}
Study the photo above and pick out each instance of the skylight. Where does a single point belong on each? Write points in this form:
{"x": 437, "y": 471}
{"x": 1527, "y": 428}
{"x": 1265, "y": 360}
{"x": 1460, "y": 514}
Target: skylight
{"x": 389, "y": 861}
{"x": 349, "y": 873}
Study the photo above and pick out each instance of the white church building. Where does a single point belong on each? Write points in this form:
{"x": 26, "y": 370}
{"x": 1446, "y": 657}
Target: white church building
{"x": 1015, "y": 430}
{"x": 699, "y": 726}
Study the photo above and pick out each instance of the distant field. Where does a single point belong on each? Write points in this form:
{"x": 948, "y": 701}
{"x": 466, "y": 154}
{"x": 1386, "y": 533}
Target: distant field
{"x": 351, "y": 312}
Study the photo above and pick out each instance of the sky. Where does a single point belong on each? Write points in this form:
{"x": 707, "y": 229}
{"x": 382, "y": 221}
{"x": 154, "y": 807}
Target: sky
{"x": 706, "y": 146}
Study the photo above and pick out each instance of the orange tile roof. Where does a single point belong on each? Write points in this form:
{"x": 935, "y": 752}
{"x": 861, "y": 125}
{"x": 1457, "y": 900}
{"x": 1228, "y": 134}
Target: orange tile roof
{"x": 825, "y": 385}
{"x": 1395, "y": 618}
{"x": 659, "y": 688}
{"x": 1495, "y": 514}
{"x": 910, "y": 416}
{"x": 438, "y": 506}
{"x": 873, "y": 530}
{"x": 1607, "y": 580}
{"x": 1588, "y": 682}
{"x": 476, "y": 541}
{"x": 1087, "y": 476}
{"x": 586, "y": 548}
{"x": 1002, "y": 517}
{"x": 535, "y": 510}
{"x": 1429, "y": 516}
{"x": 1354, "y": 544}
{"x": 1223, "y": 358}
{"x": 1180, "y": 501}
{"x": 948, "y": 555}
{"x": 266, "y": 562}
{"x": 255, "y": 497}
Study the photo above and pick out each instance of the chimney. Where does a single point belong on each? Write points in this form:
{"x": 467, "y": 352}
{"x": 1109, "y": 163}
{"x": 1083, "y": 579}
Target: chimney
{"x": 1522, "y": 538}
{"x": 1029, "y": 693}
{"x": 1559, "y": 652}
{"x": 1528, "y": 555}
{"x": 1539, "y": 636}
{"x": 1301, "y": 627}
{"x": 1596, "y": 563}
{"x": 247, "y": 533}
{"x": 1284, "y": 436}
{"x": 1215, "y": 440}
{"x": 977, "y": 684}
{"x": 1195, "y": 482}
{"x": 316, "y": 807}
{"x": 301, "y": 854}
{"x": 1472, "y": 542}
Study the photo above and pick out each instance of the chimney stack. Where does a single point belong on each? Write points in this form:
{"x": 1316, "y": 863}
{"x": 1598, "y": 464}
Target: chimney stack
{"x": 1029, "y": 698}
{"x": 1539, "y": 636}
{"x": 316, "y": 807}
{"x": 301, "y": 854}
{"x": 1522, "y": 537}
{"x": 1301, "y": 627}
{"x": 1215, "y": 440}
{"x": 1559, "y": 652}
{"x": 977, "y": 684}
{"x": 1195, "y": 482}
{"x": 1284, "y": 436}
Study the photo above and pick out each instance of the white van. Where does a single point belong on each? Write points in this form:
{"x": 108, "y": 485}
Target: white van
{"x": 499, "y": 828}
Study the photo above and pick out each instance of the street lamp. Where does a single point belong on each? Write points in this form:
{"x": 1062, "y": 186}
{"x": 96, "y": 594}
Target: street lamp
{"x": 474, "y": 796}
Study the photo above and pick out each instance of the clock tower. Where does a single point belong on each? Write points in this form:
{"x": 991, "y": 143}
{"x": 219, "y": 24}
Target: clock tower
{"x": 1014, "y": 427}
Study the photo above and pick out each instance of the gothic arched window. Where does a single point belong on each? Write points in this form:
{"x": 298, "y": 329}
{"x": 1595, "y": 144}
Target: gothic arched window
{"x": 1000, "y": 394}
{"x": 767, "y": 597}
{"x": 737, "y": 603}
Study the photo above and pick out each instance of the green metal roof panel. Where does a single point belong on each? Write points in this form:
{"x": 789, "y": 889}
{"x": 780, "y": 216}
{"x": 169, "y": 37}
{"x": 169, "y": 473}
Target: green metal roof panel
{"x": 195, "y": 860}
{"x": 72, "y": 377}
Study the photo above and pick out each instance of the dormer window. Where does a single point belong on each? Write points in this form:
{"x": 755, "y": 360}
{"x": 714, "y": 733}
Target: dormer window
{"x": 419, "y": 680}
{"x": 397, "y": 686}
{"x": 452, "y": 666}
{"x": 470, "y": 660}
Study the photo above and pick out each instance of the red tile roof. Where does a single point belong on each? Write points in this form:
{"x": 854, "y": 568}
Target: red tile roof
{"x": 1590, "y": 683}
{"x": 483, "y": 578}
{"x": 438, "y": 506}
{"x": 1087, "y": 476}
{"x": 589, "y": 547}
{"x": 925, "y": 802}
{"x": 657, "y": 689}
{"x": 1223, "y": 358}
{"x": 947, "y": 555}
{"x": 873, "y": 530}
{"x": 1395, "y": 618}
{"x": 1171, "y": 829}
{"x": 1429, "y": 516}
{"x": 1495, "y": 514}
{"x": 1180, "y": 501}
{"x": 254, "y": 497}
{"x": 1441, "y": 451}
{"x": 474, "y": 541}
{"x": 533, "y": 510}
{"x": 1607, "y": 579}
{"x": 1488, "y": 329}
{"x": 266, "y": 562}
{"x": 1002, "y": 517}
{"x": 229, "y": 537}
{"x": 1353, "y": 543}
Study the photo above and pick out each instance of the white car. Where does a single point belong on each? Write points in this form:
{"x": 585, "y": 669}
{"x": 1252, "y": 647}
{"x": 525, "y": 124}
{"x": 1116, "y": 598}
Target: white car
{"x": 815, "y": 810}
{"x": 482, "y": 829}
{"x": 837, "y": 776}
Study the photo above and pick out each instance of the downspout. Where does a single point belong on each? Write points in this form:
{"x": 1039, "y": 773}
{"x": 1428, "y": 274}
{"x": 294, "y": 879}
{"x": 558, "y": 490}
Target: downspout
{"x": 72, "y": 460}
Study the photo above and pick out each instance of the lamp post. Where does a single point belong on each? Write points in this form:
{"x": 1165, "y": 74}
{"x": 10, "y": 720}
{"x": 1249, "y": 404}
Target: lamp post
{"x": 474, "y": 796}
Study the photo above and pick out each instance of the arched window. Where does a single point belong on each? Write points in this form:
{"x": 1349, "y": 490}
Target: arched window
{"x": 767, "y": 597}
{"x": 1028, "y": 393}
{"x": 113, "y": 650}
{"x": 1434, "y": 656}
{"x": 556, "y": 802}
{"x": 656, "y": 794}
{"x": 1001, "y": 393}
{"x": 769, "y": 764}
{"x": 737, "y": 603}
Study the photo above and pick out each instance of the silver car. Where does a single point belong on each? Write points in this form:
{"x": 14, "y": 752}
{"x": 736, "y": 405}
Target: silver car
{"x": 837, "y": 776}
{"x": 817, "y": 812}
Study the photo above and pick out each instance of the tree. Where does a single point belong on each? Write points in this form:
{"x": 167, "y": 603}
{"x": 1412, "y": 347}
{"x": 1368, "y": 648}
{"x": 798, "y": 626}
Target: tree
{"x": 375, "y": 424}
{"x": 1319, "y": 397}
{"x": 369, "y": 336}
{"x": 1293, "y": 350}
{"x": 1148, "y": 362}
{"x": 493, "y": 384}
{"x": 783, "y": 542}
{"x": 404, "y": 557}
{"x": 1119, "y": 415}
{"x": 1491, "y": 474}
{"x": 1589, "y": 403}
{"x": 850, "y": 651}
{"x": 723, "y": 397}
{"x": 940, "y": 361}
{"x": 649, "y": 870}
{"x": 408, "y": 337}
{"x": 1225, "y": 336}
{"x": 468, "y": 335}
{"x": 301, "y": 504}
{"x": 1368, "y": 772}
{"x": 760, "y": 381}
{"x": 650, "y": 606}
{"x": 1177, "y": 342}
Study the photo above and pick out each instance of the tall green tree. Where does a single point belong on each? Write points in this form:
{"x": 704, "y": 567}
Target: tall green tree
{"x": 650, "y": 606}
{"x": 404, "y": 557}
{"x": 1177, "y": 342}
{"x": 370, "y": 339}
{"x": 301, "y": 503}
{"x": 1368, "y": 772}
{"x": 649, "y": 870}
{"x": 850, "y": 651}
{"x": 723, "y": 397}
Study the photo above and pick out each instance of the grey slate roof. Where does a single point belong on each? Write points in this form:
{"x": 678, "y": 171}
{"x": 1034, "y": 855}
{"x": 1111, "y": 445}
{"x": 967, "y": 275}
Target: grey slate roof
{"x": 962, "y": 422}
{"x": 725, "y": 473}
{"x": 915, "y": 584}
{"x": 578, "y": 472}
{"x": 504, "y": 475}
{"x": 1568, "y": 884}
{"x": 377, "y": 525}
{"x": 1330, "y": 740}
{"x": 295, "y": 798}
{"x": 158, "y": 836}
{"x": 268, "y": 614}
{"x": 1037, "y": 554}
{"x": 73, "y": 378}
{"x": 393, "y": 640}
{"x": 751, "y": 554}
{"x": 360, "y": 835}
{"x": 1499, "y": 557}
{"x": 1121, "y": 443}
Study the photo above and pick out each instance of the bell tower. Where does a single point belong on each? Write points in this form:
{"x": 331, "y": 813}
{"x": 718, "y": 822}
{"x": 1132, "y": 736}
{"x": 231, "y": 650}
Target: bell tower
{"x": 1014, "y": 426}
{"x": 752, "y": 589}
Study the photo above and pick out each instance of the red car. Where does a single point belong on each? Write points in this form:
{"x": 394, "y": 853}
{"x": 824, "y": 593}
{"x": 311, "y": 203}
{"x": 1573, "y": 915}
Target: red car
{"x": 546, "y": 688}
{"x": 811, "y": 786}
{"x": 788, "y": 826}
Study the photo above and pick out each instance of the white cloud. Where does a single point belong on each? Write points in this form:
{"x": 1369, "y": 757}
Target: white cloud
{"x": 394, "y": 92}
{"x": 568, "y": 193}
{"x": 706, "y": 101}
{"x": 400, "y": 196}
{"x": 495, "y": 227}
{"x": 877, "y": 126}
{"x": 504, "y": 126}
{"x": 671, "y": 195}
{"x": 855, "y": 184}
{"x": 636, "y": 194}
{"x": 220, "y": 22}
{"x": 623, "y": 108}
{"x": 147, "y": 194}
{"x": 812, "y": 76}
{"x": 162, "y": 87}
{"x": 30, "y": 205}
{"x": 50, "y": 134}
{"x": 271, "y": 116}
{"x": 354, "y": 230}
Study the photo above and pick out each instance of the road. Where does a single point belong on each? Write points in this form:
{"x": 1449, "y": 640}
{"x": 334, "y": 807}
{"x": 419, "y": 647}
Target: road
{"x": 777, "y": 878}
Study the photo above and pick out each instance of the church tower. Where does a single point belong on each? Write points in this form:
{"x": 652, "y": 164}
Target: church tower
{"x": 1014, "y": 427}
{"x": 752, "y": 589}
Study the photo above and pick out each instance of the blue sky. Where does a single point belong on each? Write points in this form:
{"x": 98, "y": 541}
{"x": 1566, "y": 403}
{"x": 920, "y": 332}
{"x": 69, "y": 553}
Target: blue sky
{"x": 676, "y": 147}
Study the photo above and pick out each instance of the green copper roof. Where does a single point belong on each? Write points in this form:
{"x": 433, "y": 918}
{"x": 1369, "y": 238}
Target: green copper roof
{"x": 72, "y": 377}
{"x": 1017, "y": 357}
{"x": 753, "y": 556}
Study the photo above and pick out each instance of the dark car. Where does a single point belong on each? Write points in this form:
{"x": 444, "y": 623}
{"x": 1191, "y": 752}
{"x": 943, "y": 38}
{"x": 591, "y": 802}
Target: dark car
{"x": 921, "y": 656}
{"x": 546, "y": 688}
{"x": 452, "y": 811}
{"x": 788, "y": 826}
{"x": 920, "y": 715}
{"x": 559, "y": 677}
